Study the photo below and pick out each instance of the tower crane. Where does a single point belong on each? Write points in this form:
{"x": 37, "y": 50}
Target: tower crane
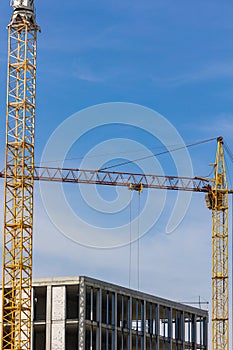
{"x": 216, "y": 192}
{"x": 18, "y": 189}
{"x": 20, "y": 173}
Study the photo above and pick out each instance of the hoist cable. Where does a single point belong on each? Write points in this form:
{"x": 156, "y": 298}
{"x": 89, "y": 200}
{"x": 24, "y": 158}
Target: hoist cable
{"x": 158, "y": 154}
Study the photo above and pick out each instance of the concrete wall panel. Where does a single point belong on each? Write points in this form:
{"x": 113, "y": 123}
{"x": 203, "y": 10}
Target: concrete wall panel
{"x": 58, "y": 318}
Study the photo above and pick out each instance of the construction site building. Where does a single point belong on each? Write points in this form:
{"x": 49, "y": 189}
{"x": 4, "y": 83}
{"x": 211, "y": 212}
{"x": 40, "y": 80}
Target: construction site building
{"x": 87, "y": 314}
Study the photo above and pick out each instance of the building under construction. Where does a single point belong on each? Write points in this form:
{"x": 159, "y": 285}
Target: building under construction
{"x": 85, "y": 313}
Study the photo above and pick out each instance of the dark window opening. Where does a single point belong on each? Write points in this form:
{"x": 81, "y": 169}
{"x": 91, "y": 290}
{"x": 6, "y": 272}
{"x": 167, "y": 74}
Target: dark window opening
{"x": 72, "y": 302}
{"x": 39, "y": 337}
{"x": 71, "y": 337}
{"x": 40, "y": 300}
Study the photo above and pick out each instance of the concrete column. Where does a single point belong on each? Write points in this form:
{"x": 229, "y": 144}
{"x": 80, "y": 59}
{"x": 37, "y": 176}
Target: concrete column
{"x": 115, "y": 321}
{"x": 205, "y": 332}
{"x": 82, "y": 314}
{"x": 143, "y": 316}
{"x": 99, "y": 319}
{"x": 157, "y": 326}
{"x": 130, "y": 313}
{"x": 58, "y": 317}
{"x": 182, "y": 330}
{"x": 170, "y": 328}
{"x": 48, "y": 318}
{"x": 194, "y": 331}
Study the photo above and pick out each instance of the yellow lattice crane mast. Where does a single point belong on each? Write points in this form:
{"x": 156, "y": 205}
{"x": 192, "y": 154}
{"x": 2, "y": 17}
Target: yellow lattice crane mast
{"x": 20, "y": 174}
{"x": 18, "y": 190}
{"x": 217, "y": 201}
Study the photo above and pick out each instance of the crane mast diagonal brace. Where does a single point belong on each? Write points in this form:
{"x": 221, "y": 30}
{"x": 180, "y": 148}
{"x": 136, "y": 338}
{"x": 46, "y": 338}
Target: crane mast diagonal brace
{"x": 18, "y": 189}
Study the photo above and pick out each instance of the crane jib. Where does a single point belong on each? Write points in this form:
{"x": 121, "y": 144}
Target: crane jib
{"x": 130, "y": 180}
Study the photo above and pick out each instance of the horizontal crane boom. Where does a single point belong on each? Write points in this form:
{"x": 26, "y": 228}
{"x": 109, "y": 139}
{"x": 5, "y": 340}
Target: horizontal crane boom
{"x": 112, "y": 178}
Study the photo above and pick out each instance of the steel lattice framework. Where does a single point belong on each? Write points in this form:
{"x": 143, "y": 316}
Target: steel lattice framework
{"x": 113, "y": 178}
{"x": 219, "y": 206}
{"x": 19, "y": 162}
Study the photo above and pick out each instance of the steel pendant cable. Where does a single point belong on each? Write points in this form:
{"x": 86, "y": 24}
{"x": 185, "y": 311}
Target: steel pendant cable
{"x": 230, "y": 154}
{"x": 158, "y": 154}
{"x": 231, "y": 269}
{"x": 130, "y": 238}
{"x": 138, "y": 262}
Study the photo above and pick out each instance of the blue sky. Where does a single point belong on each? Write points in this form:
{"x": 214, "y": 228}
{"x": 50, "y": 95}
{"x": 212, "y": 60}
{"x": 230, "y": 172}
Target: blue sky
{"x": 175, "y": 57}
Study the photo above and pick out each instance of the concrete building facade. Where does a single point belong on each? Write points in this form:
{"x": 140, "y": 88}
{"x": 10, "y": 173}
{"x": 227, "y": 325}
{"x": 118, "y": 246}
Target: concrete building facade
{"x": 84, "y": 313}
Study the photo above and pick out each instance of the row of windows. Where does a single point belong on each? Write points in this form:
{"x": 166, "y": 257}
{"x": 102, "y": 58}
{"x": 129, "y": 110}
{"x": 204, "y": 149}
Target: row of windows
{"x": 71, "y": 337}
{"x": 116, "y": 310}
{"x": 126, "y": 314}
{"x": 40, "y": 302}
{"x": 108, "y": 340}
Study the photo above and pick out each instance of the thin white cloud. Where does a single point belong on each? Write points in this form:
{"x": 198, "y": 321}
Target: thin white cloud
{"x": 84, "y": 71}
{"x": 96, "y": 72}
{"x": 221, "y": 125}
{"x": 212, "y": 71}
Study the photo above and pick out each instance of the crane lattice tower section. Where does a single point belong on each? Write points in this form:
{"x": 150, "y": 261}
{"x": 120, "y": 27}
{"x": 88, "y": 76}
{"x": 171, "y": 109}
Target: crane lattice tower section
{"x": 220, "y": 288}
{"x": 19, "y": 180}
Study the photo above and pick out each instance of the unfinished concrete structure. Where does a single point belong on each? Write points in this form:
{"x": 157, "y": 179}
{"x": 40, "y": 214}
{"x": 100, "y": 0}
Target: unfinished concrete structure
{"x": 86, "y": 314}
